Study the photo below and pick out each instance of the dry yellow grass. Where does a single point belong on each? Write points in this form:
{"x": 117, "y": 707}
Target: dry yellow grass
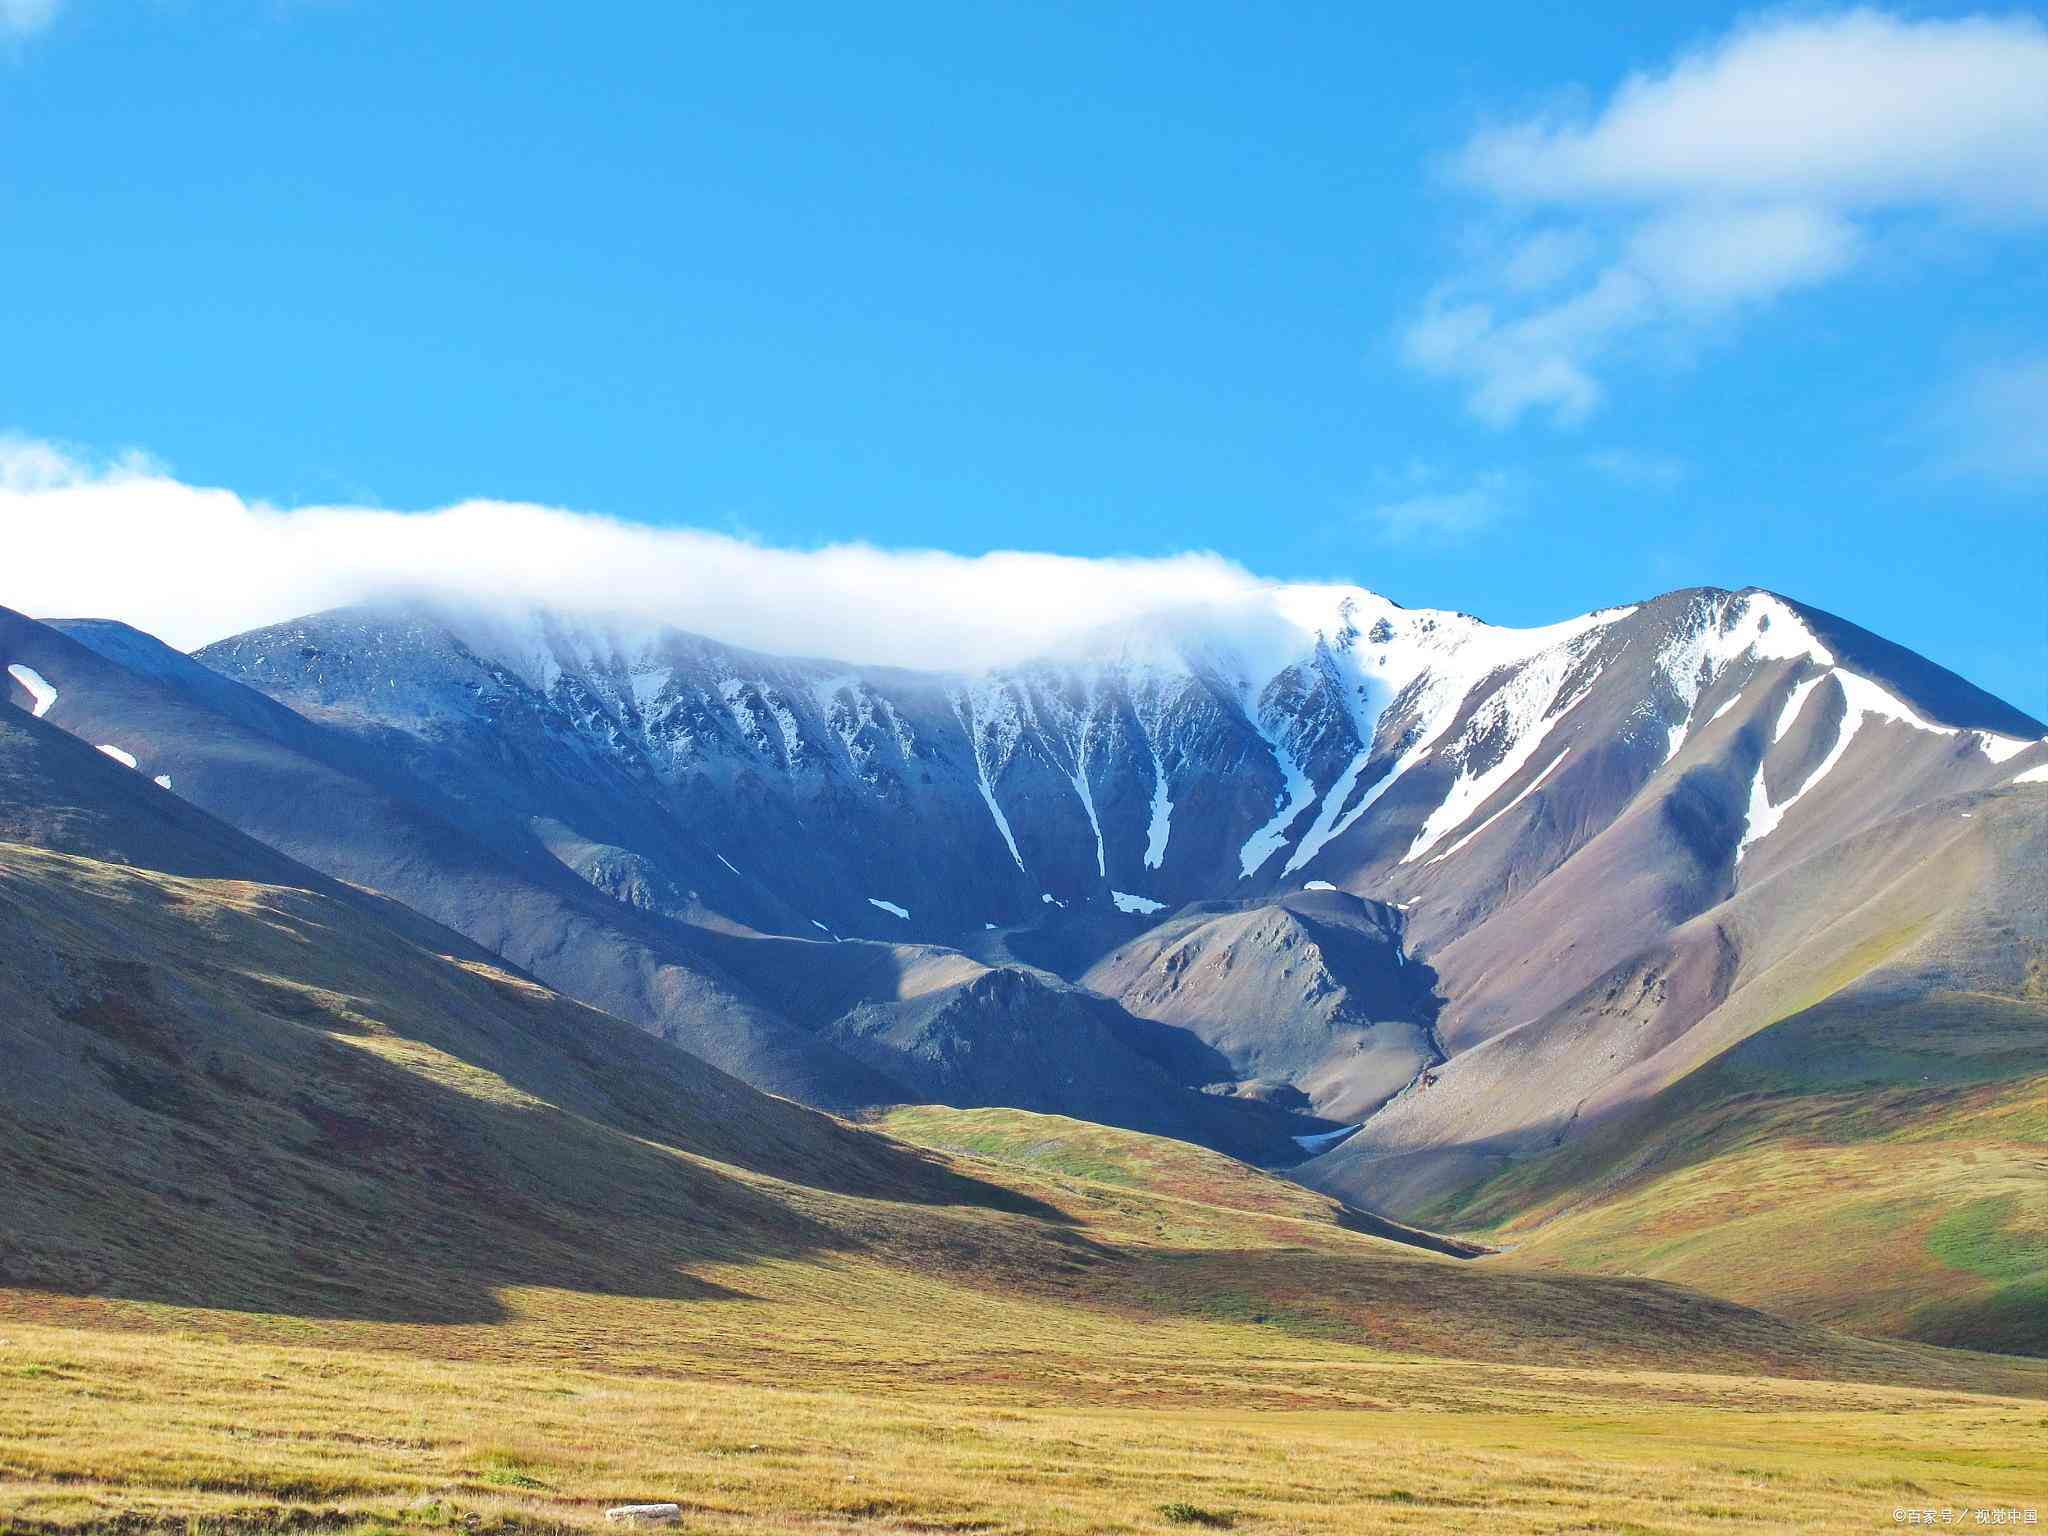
{"x": 302, "y": 1225}
{"x": 857, "y": 1392}
{"x": 99, "y": 1427}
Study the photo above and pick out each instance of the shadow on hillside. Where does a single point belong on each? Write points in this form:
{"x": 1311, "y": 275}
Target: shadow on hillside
{"x": 1411, "y": 1305}
{"x": 156, "y": 1148}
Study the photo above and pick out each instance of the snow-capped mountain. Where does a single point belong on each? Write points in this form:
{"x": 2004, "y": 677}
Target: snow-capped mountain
{"x": 1325, "y": 731}
{"x": 680, "y": 830}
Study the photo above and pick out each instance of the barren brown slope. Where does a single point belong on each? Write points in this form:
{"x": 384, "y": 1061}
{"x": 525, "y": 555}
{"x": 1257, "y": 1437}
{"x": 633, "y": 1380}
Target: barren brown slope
{"x": 1946, "y": 895}
{"x": 1834, "y": 1103}
{"x": 1308, "y": 992}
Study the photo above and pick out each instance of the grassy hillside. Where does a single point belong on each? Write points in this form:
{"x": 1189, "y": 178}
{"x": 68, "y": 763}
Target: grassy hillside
{"x": 314, "y": 1220}
{"x": 1159, "y": 1165}
{"x": 305, "y": 1225}
{"x": 1875, "y": 1164}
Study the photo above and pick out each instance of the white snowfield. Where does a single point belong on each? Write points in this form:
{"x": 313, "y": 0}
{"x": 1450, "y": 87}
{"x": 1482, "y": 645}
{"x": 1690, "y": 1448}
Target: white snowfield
{"x": 162, "y": 781}
{"x": 890, "y": 907}
{"x": 1433, "y": 662}
{"x": 2001, "y": 748}
{"x": 1317, "y": 885}
{"x": 1126, "y": 902}
{"x": 41, "y": 694}
{"x": 126, "y": 759}
{"x": 2032, "y": 775}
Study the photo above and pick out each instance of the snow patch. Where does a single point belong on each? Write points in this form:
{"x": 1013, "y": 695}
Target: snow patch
{"x": 890, "y": 907}
{"x": 1080, "y": 780}
{"x": 1725, "y": 707}
{"x": 647, "y": 683}
{"x": 1527, "y": 791}
{"x": 1126, "y": 902}
{"x": 1864, "y": 699}
{"x": 1162, "y": 815}
{"x": 1524, "y": 710}
{"x": 1719, "y": 631}
{"x": 1318, "y": 885}
{"x": 1326, "y": 825}
{"x": 162, "y": 781}
{"x": 2035, "y": 775}
{"x": 1315, "y": 1144}
{"x": 41, "y": 694}
{"x": 2001, "y": 748}
{"x": 1795, "y": 702}
{"x": 1296, "y": 795}
{"x": 964, "y": 710}
{"x": 125, "y": 759}
{"x": 728, "y": 863}
{"x": 1430, "y": 663}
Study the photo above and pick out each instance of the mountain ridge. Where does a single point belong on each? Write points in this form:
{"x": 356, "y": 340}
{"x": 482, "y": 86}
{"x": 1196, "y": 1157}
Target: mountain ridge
{"x": 1578, "y": 792}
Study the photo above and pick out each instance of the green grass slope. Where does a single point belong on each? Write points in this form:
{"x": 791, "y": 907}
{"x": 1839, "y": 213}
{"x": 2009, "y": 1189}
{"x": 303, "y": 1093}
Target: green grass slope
{"x": 1159, "y": 1165}
{"x": 1876, "y": 1164}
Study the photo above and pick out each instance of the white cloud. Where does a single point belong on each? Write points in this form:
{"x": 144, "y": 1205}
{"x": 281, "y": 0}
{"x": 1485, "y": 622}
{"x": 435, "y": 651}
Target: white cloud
{"x": 1433, "y": 511}
{"x": 1769, "y": 161}
{"x": 1997, "y": 421}
{"x": 1859, "y": 109}
{"x": 1547, "y": 258}
{"x": 192, "y": 564}
{"x": 21, "y": 17}
{"x": 1699, "y": 258}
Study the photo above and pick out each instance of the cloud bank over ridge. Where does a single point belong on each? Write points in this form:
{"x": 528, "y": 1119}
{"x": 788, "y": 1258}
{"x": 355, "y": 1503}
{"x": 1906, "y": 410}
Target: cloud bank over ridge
{"x": 191, "y": 564}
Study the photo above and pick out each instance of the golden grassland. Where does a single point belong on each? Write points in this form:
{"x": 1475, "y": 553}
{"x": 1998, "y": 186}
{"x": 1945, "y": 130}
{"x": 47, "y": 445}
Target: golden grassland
{"x": 303, "y": 1225}
{"x": 1218, "y": 1369}
{"x": 104, "y": 1427}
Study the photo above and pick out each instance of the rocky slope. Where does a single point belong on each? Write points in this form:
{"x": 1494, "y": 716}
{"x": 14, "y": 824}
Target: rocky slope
{"x": 1537, "y": 818}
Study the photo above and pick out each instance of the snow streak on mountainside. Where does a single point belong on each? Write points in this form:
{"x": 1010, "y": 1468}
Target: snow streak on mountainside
{"x": 1321, "y": 728}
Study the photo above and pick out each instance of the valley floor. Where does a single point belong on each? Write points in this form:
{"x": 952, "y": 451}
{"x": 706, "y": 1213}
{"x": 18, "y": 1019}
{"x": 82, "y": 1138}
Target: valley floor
{"x": 1231, "y": 1358}
{"x": 104, "y": 1427}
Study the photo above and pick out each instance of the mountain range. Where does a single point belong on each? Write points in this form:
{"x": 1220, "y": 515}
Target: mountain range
{"x": 1394, "y": 899}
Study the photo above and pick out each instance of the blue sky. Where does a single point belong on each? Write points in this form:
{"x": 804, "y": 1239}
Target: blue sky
{"x": 1427, "y": 298}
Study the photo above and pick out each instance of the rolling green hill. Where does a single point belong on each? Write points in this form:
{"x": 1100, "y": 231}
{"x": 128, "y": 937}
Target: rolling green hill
{"x": 1877, "y": 1165}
